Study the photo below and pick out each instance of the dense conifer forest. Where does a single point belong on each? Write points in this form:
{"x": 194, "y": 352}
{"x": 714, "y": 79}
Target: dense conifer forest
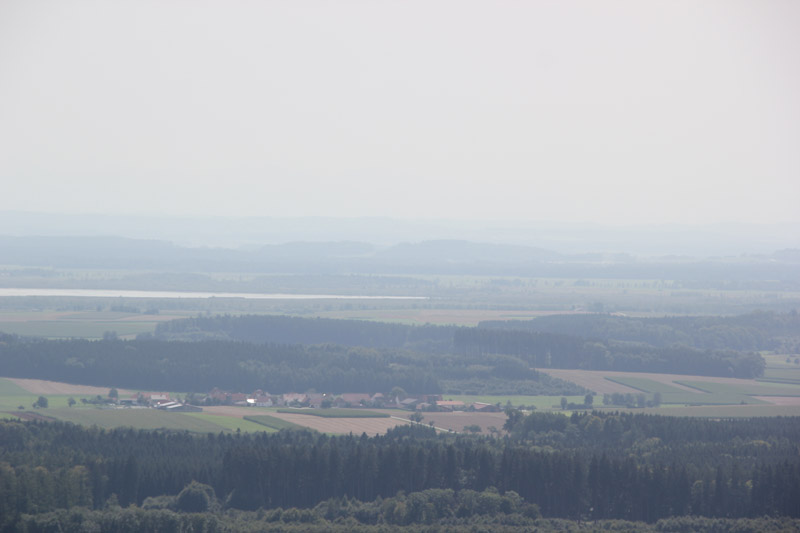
{"x": 592, "y": 466}
{"x": 201, "y": 366}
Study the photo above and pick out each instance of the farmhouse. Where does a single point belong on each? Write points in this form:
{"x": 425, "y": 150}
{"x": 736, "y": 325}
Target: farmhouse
{"x": 484, "y": 407}
{"x": 450, "y": 405}
{"x": 177, "y": 407}
{"x": 352, "y": 400}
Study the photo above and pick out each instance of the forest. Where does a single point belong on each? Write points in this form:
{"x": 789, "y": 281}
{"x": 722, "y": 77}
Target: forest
{"x": 277, "y": 368}
{"x": 763, "y": 330}
{"x": 574, "y": 346}
{"x": 591, "y": 466}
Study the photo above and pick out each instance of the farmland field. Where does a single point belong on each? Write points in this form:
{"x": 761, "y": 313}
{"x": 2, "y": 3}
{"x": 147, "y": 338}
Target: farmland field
{"x": 274, "y": 424}
{"x": 458, "y": 420}
{"x": 646, "y": 385}
{"x": 516, "y": 400}
{"x": 336, "y": 413}
{"x": 80, "y": 324}
{"x": 230, "y": 423}
{"x": 420, "y": 316}
{"x": 685, "y": 390}
{"x": 135, "y": 418}
{"x": 751, "y": 387}
{"x": 38, "y": 386}
{"x": 357, "y": 426}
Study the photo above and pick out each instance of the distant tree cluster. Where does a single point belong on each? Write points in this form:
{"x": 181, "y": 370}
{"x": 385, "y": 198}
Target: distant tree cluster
{"x": 756, "y": 331}
{"x": 554, "y": 350}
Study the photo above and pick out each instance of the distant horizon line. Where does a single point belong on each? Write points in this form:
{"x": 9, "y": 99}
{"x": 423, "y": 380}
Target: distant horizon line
{"x": 406, "y": 219}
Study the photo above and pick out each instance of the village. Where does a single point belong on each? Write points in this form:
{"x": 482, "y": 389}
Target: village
{"x": 397, "y": 399}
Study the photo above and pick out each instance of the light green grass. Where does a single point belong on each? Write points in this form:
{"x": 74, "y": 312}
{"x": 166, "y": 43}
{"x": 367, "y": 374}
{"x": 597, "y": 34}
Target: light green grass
{"x": 645, "y": 385}
{"x": 271, "y": 422}
{"x": 539, "y": 402}
{"x": 12, "y": 396}
{"x": 778, "y": 361}
{"x": 783, "y": 374}
{"x": 336, "y": 413}
{"x": 62, "y": 329}
{"x": 231, "y": 423}
{"x": 9, "y": 388}
{"x": 755, "y": 389}
{"x": 135, "y": 418}
{"x": 723, "y": 411}
{"x": 690, "y": 398}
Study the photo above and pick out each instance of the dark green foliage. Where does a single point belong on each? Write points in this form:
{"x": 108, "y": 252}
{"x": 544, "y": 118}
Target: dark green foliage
{"x": 238, "y": 366}
{"x": 281, "y": 329}
{"x": 553, "y": 350}
{"x": 508, "y": 350}
{"x": 41, "y": 402}
{"x": 599, "y": 466}
{"x": 195, "y": 498}
{"x": 201, "y": 366}
{"x": 751, "y": 332}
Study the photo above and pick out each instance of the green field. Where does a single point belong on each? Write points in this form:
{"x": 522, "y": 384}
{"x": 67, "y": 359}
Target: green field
{"x": 539, "y": 402}
{"x": 674, "y": 396}
{"x": 80, "y": 324}
{"x": 271, "y": 422}
{"x": 231, "y": 423}
{"x": 336, "y": 413}
{"x": 782, "y": 375}
{"x": 756, "y": 389}
{"x": 12, "y": 396}
{"x": 646, "y": 385}
{"x": 135, "y": 418}
{"x": 721, "y": 411}
{"x": 690, "y": 398}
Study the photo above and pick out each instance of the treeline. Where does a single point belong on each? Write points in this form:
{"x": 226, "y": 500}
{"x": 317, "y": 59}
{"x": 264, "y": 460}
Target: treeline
{"x": 725, "y": 469}
{"x": 576, "y": 347}
{"x": 239, "y": 366}
{"x": 750, "y": 332}
{"x": 351, "y": 517}
{"x": 201, "y": 366}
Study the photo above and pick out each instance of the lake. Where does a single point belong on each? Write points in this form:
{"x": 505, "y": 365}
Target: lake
{"x": 113, "y": 293}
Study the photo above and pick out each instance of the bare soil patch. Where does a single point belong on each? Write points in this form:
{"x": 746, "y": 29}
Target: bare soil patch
{"x": 38, "y": 386}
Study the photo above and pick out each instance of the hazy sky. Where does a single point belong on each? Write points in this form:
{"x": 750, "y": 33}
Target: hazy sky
{"x": 599, "y": 111}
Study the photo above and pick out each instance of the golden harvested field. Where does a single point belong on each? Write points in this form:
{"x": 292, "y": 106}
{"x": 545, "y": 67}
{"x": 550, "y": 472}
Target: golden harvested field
{"x": 356, "y": 426}
{"x": 38, "y": 386}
